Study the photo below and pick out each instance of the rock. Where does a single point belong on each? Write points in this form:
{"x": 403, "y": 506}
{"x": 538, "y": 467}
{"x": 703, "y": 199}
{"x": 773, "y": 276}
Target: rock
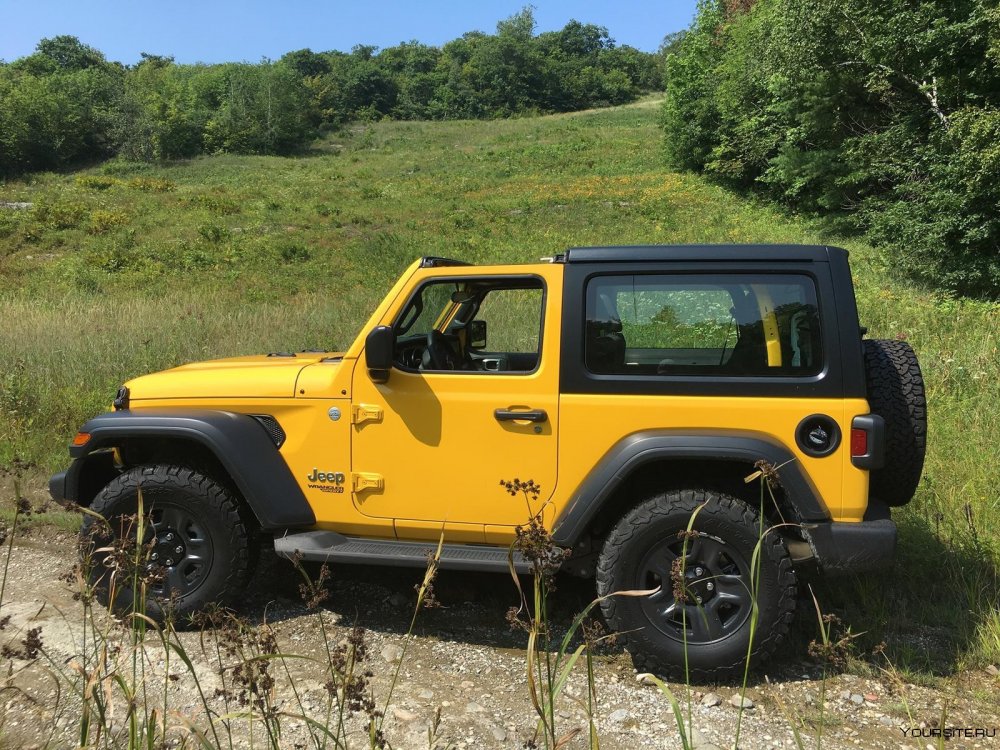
{"x": 499, "y": 733}
{"x": 617, "y": 717}
{"x": 473, "y": 708}
{"x": 403, "y": 715}
{"x": 740, "y": 701}
{"x": 857, "y": 699}
{"x": 886, "y": 721}
{"x": 467, "y": 685}
{"x": 993, "y": 670}
{"x": 425, "y": 695}
{"x": 871, "y": 697}
{"x": 845, "y": 695}
{"x": 391, "y": 652}
{"x": 645, "y": 679}
{"x": 711, "y": 700}
{"x": 698, "y": 741}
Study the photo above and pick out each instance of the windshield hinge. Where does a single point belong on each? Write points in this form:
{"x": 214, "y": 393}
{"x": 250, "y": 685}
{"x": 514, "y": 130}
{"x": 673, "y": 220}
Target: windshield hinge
{"x": 364, "y": 480}
{"x": 361, "y": 413}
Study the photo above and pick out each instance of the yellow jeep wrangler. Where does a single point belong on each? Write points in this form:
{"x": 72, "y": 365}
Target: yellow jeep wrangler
{"x": 633, "y": 385}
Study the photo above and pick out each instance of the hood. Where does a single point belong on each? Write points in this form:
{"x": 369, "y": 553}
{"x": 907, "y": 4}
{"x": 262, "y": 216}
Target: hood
{"x": 262, "y": 376}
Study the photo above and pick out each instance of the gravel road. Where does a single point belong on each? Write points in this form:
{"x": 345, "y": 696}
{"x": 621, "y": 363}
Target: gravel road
{"x": 465, "y": 660}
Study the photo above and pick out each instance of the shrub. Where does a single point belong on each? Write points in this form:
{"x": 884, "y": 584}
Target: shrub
{"x": 103, "y": 220}
{"x": 294, "y": 253}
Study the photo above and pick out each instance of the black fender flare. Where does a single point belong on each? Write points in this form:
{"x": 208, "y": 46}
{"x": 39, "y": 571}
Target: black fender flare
{"x": 640, "y": 448}
{"x": 238, "y": 441}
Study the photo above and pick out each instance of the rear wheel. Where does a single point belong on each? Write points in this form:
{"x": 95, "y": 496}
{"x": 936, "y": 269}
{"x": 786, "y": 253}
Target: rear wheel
{"x": 193, "y": 550}
{"x": 896, "y": 393}
{"x": 704, "y": 583}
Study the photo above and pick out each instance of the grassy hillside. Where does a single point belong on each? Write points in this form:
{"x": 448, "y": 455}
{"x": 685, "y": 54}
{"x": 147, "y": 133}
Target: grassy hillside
{"x": 127, "y": 268}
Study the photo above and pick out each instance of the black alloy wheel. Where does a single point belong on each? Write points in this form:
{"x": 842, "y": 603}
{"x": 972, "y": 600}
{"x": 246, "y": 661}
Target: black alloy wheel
{"x": 180, "y": 550}
{"x": 703, "y": 583}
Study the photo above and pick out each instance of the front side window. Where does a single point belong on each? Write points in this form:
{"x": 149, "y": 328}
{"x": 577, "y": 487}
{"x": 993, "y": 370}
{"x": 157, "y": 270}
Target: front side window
{"x": 711, "y": 324}
{"x": 479, "y": 325}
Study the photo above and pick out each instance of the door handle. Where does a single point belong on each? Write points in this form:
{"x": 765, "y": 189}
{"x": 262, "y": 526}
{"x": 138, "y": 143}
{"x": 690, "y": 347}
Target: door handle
{"x": 531, "y": 415}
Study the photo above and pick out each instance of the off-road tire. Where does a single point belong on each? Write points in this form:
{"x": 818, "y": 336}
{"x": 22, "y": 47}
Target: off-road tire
{"x": 896, "y": 393}
{"x": 658, "y": 521}
{"x": 213, "y": 511}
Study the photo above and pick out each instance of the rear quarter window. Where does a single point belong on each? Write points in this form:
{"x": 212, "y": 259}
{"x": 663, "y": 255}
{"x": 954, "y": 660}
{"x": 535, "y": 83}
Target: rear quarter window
{"x": 686, "y": 324}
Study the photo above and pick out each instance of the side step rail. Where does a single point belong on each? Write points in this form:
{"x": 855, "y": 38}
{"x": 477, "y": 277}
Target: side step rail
{"x": 329, "y": 546}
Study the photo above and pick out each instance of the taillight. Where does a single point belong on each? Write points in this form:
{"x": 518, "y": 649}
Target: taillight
{"x": 868, "y": 441}
{"x": 859, "y": 442}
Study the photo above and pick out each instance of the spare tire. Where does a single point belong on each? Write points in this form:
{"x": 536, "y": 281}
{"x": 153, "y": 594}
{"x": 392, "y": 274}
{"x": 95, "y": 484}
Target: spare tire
{"x": 896, "y": 393}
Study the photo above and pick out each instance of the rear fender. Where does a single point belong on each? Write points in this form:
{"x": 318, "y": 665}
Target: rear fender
{"x": 635, "y": 451}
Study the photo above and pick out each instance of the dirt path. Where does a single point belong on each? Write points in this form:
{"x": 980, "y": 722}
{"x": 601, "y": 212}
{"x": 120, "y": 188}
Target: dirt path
{"x": 465, "y": 661}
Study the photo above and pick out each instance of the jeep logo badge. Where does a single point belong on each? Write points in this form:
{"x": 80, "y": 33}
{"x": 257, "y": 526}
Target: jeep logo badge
{"x": 332, "y": 477}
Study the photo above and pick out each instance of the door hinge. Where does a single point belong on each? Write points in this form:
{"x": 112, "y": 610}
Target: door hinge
{"x": 364, "y": 480}
{"x": 361, "y": 413}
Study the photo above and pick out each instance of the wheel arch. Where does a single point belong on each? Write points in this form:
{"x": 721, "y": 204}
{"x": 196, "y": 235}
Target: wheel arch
{"x": 654, "y": 459}
{"x": 232, "y": 448}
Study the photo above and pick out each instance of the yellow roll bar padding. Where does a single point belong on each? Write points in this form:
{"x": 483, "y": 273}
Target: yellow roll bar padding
{"x": 772, "y": 338}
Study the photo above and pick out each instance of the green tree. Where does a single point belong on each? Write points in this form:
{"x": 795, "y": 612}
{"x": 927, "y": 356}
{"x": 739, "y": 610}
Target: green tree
{"x": 690, "y": 111}
{"x": 262, "y": 110}
{"x": 69, "y": 53}
{"x": 878, "y": 112}
{"x": 306, "y": 62}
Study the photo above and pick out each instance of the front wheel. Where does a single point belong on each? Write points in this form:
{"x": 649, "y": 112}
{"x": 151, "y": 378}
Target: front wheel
{"x": 193, "y": 551}
{"x": 706, "y": 585}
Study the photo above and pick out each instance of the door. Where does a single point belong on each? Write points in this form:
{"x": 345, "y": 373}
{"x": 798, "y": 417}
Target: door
{"x": 472, "y": 401}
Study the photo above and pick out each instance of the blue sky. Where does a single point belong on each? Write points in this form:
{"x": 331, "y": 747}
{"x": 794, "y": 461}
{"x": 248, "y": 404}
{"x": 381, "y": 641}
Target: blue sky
{"x": 231, "y": 30}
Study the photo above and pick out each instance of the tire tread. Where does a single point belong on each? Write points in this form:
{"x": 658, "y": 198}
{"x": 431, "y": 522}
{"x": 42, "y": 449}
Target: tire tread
{"x": 896, "y": 393}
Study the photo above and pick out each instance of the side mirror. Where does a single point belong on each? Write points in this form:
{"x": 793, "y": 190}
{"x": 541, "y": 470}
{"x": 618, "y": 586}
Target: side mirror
{"x": 477, "y": 334}
{"x": 379, "y": 348}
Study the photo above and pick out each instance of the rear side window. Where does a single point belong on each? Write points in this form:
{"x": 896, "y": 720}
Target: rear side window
{"x": 684, "y": 324}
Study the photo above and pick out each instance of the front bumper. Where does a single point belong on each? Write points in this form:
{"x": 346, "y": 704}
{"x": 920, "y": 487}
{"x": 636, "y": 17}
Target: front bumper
{"x": 845, "y": 548}
{"x": 57, "y": 487}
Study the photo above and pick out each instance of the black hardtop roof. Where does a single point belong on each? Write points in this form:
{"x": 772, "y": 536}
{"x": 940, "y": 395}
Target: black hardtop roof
{"x": 653, "y": 253}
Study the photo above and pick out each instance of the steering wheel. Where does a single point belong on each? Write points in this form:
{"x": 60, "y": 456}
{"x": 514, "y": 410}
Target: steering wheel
{"x": 438, "y": 355}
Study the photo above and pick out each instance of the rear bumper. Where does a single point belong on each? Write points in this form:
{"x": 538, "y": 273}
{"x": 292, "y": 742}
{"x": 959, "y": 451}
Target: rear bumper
{"x": 845, "y": 548}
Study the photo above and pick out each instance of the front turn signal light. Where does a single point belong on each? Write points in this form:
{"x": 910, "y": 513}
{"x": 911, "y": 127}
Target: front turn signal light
{"x": 82, "y": 438}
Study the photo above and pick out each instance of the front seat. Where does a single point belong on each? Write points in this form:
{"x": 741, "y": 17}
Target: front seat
{"x": 749, "y": 356}
{"x": 604, "y": 347}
